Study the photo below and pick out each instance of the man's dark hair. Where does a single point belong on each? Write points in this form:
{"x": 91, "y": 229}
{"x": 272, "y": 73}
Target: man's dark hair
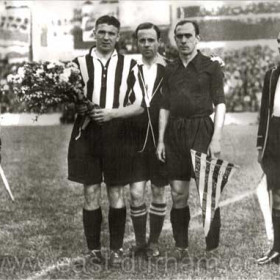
{"x": 194, "y": 23}
{"x": 110, "y": 20}
{"x": 147, "y": 25}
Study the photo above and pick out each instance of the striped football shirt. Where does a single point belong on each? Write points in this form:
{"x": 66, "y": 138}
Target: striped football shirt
{"x": 108, "y": 84}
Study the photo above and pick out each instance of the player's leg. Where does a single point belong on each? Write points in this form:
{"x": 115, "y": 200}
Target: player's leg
{"x": 157, "y": 214}
{"x": 84, "y": 166}
{"x": 92, "y": 219}
{"x": 271, "y": 165}
{"x": 180, "y": 216}
{"x": 138, "y": 211}
{"x": 276, "y": 219}
{"x": 116, "y": 218}
{"x": 273, "y": 255}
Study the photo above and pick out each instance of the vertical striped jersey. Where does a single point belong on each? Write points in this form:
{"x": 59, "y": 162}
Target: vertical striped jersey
{"x": 108, "y": 84}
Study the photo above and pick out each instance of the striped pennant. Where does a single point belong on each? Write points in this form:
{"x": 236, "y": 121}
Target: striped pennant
{"x": 211, "y": 176}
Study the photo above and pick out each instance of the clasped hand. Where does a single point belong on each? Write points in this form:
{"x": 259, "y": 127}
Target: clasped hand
{"x": 97, "y": 114}
{"x": 100, "y": 115}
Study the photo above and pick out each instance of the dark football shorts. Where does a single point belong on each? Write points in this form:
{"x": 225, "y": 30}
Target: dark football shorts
{"x": 182, "y": 135}
{"x": 102, "y": 153}
{"x": 146, "y": 166}
{"x": 271, "y": 159}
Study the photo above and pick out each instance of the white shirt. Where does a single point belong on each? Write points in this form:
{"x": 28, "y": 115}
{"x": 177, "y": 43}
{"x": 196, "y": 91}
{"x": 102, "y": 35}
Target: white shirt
{"x": 150, "y": 74}
{"x": 276, "y": 107}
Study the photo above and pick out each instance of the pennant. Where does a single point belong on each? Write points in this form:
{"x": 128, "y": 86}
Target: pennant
{"x": 211, "y": 176}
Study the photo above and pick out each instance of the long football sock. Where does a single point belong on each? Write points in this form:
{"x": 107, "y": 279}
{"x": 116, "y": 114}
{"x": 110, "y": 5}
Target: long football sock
{"x": 139, "y": 220}
{"x": 116, "y": 219}
{"x": 180, "y": 224}
{"x": 92, "y": 227}
{"x": 157, "y": 215}
{"x": 213, "y": 237}
{"x": 276, "y": 229}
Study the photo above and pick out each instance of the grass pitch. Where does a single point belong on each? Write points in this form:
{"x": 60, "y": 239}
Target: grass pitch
{"x": 41, "y": 234}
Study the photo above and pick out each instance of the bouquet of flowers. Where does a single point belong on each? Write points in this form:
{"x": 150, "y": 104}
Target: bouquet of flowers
{"x": 41, "y": 86}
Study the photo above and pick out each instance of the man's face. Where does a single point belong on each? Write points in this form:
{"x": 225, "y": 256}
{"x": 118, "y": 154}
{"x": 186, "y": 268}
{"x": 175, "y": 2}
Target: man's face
{"x": 148, "y": 43}
{"x": 106, "y": 37}
{"x": 186, "y": 39}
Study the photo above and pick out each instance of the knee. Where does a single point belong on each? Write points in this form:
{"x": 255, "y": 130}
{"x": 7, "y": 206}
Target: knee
{"x": 92, "y": 196}
{"x": 158, "y": 194}
{"x": 137, "y": 193}
{"x": 180, "y": 198}
{"x": 137, "y": 197}
{"x": 116, "y": 198}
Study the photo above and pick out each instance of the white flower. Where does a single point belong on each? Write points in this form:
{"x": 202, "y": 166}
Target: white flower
{"x": 49, "y": 75}
{"x": 21, "y": 72}
{"x": 10, "y": 78}
{"x": 6, "y": 87}
{"x": 39, "y": 71}
{"x": 64, "y": 77}
{"x": 218, "y": 59}
{"x": 51, "y": 65}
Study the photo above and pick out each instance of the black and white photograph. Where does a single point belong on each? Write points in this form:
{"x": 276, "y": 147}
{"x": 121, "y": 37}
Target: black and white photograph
{"x": 139, "y": 139}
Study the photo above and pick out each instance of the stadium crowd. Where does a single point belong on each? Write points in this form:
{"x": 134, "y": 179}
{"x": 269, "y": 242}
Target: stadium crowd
{"x": 239, "y": 29}
{"x": 227, "y": 10}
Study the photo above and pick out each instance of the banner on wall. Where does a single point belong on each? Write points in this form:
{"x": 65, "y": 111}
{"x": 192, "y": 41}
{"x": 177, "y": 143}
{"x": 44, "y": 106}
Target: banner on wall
{"x": 15, "y": 32}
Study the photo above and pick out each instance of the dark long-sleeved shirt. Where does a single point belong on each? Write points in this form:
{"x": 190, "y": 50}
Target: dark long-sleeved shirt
{"x": 191, "y": 91}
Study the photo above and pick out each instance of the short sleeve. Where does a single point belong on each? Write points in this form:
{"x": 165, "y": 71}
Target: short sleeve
{"x": 217, "y": 84}
{"x": 136, "y": 95}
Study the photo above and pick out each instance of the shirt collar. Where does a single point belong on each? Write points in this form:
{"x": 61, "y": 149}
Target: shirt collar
{"x": 159, "y": 60}
{"x": 93, "y": 53}
{"x": 196, "y": 61}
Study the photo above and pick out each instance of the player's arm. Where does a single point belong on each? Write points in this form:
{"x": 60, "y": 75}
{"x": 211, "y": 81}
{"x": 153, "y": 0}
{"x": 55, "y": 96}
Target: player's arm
{"x": 164, "y": 114}
{"x": 218, "y": 98}
{"x": 104, "y": 115}
{"x": 163, "y": 121}
{"x": 219, "y": 117}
